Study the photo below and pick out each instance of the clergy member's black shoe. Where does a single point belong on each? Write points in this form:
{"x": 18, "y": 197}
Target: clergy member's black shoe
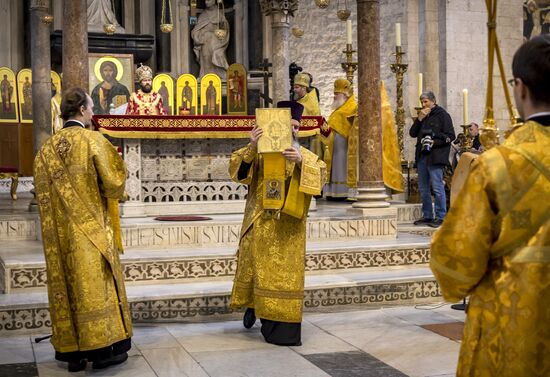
{"x": 77, "y": 366}
{"x": 249, "y": 318}
{"x": 113, "y": 360}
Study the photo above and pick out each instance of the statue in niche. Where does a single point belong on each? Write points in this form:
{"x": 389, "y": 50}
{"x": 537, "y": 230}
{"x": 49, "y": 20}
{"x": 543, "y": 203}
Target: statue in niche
{"x": 100, "y": 13}
{"x": 209, "y": 50}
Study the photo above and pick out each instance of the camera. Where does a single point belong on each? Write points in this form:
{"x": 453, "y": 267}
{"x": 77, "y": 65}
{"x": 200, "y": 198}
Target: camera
{"x": 426, "y": 142}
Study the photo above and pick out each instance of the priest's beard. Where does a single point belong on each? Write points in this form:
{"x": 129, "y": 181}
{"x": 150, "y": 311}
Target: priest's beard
{"x": 146, "y": 88}
{"x": 337, "y": 103}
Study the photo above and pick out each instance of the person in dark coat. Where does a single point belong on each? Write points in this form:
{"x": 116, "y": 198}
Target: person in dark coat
{"x": 434, "y": 133}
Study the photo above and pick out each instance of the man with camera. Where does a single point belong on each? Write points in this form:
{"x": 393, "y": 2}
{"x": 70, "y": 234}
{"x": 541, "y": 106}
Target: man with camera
{"x": 434, "y": 133}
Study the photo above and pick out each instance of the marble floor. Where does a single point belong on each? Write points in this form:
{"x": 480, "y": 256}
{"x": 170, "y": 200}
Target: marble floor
{"x": 383, "y": 342}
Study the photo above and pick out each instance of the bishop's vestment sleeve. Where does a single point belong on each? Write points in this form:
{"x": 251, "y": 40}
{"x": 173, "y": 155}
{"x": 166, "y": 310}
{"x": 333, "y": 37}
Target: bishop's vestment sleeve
{"x": 110, "y": 168}
{"x": 131, "y": 109}
{"x": 460, "y": 249}
{"x": 241, "y": 164}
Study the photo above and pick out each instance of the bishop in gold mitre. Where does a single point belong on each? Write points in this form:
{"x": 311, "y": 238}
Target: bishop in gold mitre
{"x": 145, "y": 101}
{"x": 269, "y": 280}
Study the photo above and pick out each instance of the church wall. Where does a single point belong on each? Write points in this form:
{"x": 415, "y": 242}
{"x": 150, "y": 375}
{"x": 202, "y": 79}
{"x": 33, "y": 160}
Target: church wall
{"x": 466, "y": 57}
{"x": 319, "y": 50}
{"x": 11, "y": 34}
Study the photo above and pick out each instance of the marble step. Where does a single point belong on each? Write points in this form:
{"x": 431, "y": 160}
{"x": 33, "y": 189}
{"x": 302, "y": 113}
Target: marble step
{"x": 22, "y": 264}
{"x": 331, "y": 220}
{"x": 202, "y": 301}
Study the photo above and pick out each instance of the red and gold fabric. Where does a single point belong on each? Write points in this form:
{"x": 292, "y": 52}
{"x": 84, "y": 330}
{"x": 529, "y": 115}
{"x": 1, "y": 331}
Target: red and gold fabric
{"x": 141, "y": 103}
{"x": 197, "y": 127}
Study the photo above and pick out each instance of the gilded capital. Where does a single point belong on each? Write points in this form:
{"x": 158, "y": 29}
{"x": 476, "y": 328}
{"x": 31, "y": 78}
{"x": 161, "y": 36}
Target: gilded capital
{"x": 287, "y": 7}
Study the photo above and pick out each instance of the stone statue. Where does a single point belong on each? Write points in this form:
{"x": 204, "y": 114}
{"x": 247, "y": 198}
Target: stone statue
{"x": 100, "y": 13}
{"x": 209, "y": 50}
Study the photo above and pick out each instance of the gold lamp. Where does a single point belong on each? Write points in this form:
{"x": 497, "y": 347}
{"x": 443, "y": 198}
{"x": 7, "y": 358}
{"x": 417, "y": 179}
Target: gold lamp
{"x": 298, "y": 32}
{"x": 322, "y": 3}
{"x": 221, "y": 31}
{"x": 166, "y": 25}
{"x": 344, "y": 13}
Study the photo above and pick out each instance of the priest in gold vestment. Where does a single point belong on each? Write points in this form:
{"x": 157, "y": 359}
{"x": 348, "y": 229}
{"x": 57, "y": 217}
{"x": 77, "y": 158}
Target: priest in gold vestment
{"x": 307, "y": 97}
{"x": 78, "y": 174}
{"x": 494, "y": 244}
{"x": 336, "y": 154}
{"x": 269, "y": 280}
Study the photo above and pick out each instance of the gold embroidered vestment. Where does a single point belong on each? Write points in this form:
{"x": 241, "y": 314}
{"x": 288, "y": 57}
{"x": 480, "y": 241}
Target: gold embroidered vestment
{"x": 494, "y": 246}
{"x": 75, "y": 171}
{"x": 271, "y": 255}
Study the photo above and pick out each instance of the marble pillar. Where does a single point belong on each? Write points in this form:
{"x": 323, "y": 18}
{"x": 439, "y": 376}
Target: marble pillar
{"x": 41, "y": 78}
{"x": 371, "y": 190}
{"x": 280, "y": 12}
{"x": 75, "y": 45}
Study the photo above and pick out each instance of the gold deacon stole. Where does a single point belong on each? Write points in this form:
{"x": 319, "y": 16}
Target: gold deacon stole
{"x": 274, "y": 180}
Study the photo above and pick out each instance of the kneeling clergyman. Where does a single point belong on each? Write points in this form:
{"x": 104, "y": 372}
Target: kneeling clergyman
{"x": 269, "y": 281}
{"x": 79, "y": 177}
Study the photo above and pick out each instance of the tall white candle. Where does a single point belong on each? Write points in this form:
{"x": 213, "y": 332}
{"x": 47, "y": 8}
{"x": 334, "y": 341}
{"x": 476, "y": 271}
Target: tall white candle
{"x": 348, "y": 32}
{"x": 419, "y": 87}
{"x": 465, "y": 105}
{"x": 398, "y": 34}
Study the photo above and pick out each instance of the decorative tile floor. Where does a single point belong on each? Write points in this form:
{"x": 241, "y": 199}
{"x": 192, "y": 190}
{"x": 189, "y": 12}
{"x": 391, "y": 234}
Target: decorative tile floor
{"x": 387, "y": 342}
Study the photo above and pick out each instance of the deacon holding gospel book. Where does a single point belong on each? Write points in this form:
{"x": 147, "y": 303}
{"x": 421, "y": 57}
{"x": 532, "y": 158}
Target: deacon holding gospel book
{"x": 269, "y": 281}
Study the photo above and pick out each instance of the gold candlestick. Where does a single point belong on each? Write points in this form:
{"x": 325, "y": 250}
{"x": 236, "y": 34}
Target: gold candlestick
{"x": 349, "y": 66}
{"x": 467, "y": 141}
{"x": 399, "y": 68}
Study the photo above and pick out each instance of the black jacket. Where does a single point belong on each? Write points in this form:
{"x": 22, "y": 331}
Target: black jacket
{"x": 439, "y": 125}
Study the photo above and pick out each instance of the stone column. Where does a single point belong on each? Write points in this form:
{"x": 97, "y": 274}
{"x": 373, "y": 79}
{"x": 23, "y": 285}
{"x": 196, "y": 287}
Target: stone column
{"x": 75, "y": 45}
{"x": 41, "y": 78}
{"x": 239, "y": 24}
{"x": 280, "y": 12}
{"x": 371, "y": 190}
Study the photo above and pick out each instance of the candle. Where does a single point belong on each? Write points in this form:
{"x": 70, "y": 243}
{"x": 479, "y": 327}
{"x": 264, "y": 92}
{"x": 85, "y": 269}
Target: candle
{"x": 419, "y": 87}
{"x": 348, "y": 32}
{"x": 398, "y": 34}
{"x": 465, "y": 105}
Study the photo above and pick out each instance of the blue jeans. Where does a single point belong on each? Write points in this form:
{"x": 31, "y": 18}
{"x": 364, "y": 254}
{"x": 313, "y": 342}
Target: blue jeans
{"x": 434, "y": 174}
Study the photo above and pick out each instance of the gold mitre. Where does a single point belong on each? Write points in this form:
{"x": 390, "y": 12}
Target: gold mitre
{"x": 144, "y": 72}
{"x": 302, "y": 79}
{"x": 343, "y": 86}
